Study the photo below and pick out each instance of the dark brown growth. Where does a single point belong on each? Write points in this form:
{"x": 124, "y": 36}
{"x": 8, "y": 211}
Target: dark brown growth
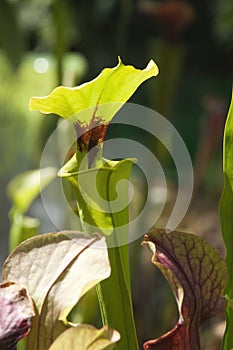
{"x": 89, "y": 136}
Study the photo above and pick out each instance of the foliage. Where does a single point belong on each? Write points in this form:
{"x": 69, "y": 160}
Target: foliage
{"x": 57, "y": 269}
{"x": 25, "y": 187}
{"x": 22, "y": 190}
{"x": 90, "y": 107}
{"x": 86, "y": 337}
{"x": 226, "y": 208}
{"x": 113, "y": 85}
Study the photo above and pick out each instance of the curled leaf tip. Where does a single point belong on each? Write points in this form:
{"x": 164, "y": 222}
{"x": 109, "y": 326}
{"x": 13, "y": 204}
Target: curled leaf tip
{"x": 153, "y": 65}
{"x": 119, "y": 60}
{"x": 198, "y": 277}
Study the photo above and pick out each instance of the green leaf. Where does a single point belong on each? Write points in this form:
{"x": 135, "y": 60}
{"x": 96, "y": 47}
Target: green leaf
{"x": 26, "y": 186}
{"x": 57, "y": 269}
{"x": 100, "y": 193}
{"x": 22, "y": 190}
{"x": 113, "y": 86}
{"x": 198, "y": 277}
{"x": 22, "y": 228}
{"x": 75, "y": 67}
{"x": 16, "y": 313}
{"x": 85, "y": 337}
{"x": 102, "y": 198}
{"x": 226, "y": 210}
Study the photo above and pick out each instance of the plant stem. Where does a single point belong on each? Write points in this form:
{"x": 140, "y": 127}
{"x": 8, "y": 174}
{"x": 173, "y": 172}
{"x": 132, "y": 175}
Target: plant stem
{"x": 114, "y": 296}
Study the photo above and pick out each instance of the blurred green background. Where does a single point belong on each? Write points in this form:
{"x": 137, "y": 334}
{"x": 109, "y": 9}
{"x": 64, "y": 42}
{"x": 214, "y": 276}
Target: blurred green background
{"x": 44, "y": 43}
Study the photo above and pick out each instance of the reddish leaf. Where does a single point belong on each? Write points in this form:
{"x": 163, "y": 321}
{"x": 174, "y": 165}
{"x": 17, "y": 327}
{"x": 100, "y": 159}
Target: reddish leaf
{"x": 15, "y": 315}
{"x": 198, "y": 277}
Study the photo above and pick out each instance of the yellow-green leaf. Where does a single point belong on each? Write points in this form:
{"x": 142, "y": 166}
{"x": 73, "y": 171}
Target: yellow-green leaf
{"x": 86, "y": 337}
{"x": 26, "y": 186}
{"x": 114, "y": 86}
{"x": 226, "y": 210}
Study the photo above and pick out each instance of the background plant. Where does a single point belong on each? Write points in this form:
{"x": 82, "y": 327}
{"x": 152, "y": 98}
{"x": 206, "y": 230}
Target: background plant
{"x": 206, "y": 69}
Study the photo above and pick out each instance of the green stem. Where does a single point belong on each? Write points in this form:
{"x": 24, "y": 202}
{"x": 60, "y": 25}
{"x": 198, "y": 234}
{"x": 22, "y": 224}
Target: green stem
{"x": 114, "y": 293}
{"x": 115, "y": 299}
{"x": 59, "y": 12}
